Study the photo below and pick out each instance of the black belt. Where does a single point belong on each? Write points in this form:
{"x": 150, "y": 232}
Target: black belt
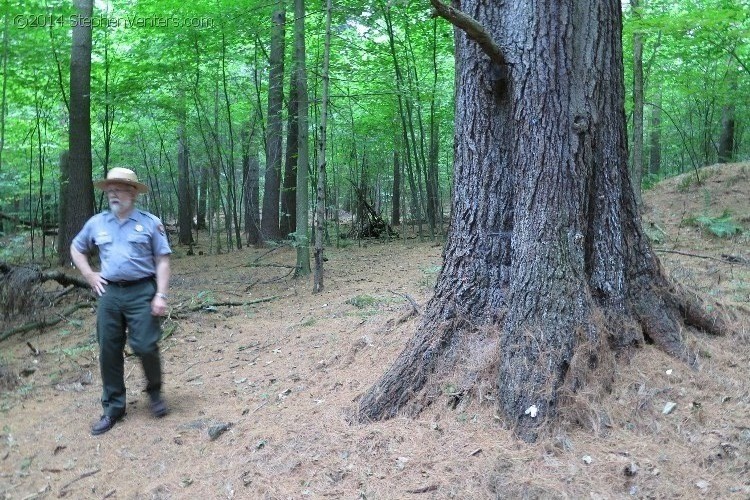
{"x": 130, "y": 283}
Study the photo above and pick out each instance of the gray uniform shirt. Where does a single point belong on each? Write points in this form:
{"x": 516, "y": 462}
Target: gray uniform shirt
{"x": 127, "y": 249}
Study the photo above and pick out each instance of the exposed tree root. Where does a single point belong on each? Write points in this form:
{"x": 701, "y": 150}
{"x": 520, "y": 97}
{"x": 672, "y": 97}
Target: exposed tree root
{"x": 430, "y": 362}
{"x": 408, "y": 374}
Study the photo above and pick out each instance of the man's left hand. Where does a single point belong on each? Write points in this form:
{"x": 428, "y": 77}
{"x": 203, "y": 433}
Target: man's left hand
{"x": 158, "y": 306}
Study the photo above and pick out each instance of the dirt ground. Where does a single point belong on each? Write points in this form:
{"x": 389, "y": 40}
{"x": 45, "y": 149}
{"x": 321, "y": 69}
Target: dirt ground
{"x": 259, "y": 393}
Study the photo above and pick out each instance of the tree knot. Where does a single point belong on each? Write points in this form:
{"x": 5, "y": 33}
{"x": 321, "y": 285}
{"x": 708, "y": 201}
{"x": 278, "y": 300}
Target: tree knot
{"x": 581, "y": 123}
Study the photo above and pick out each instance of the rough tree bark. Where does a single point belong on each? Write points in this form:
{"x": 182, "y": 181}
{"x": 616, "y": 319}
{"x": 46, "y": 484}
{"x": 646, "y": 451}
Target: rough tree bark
{"x": 302, "y": 203}
{"x": 270, "y": 220}
{"x": 78, "y": 187}
{"x": 251, "y": 188}
{"x": 320, "y": 199}
{"x": 288, "y": 218}
{"x": 547, "y": 273}
{"x": 726, "y": 137}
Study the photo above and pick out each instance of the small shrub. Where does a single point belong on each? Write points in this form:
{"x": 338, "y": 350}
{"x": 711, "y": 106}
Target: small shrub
{"x": 362, "y": 301}
{"x": 697, "y": 177}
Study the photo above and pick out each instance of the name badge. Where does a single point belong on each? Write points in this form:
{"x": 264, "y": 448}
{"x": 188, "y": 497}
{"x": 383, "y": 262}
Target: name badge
{"x": 139, "y": 228}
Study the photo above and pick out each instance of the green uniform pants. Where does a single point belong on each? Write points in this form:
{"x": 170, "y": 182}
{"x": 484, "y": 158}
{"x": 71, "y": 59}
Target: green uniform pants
{"x": 119, "y": 308}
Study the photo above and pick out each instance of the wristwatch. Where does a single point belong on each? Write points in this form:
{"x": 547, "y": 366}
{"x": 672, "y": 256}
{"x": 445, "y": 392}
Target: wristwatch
{"x": 162, "y": 295}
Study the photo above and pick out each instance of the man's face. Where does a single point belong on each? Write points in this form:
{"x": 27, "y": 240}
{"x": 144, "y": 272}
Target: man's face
{"x": 120, "y": 196}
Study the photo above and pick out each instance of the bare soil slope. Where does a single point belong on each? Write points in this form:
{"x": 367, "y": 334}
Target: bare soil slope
{"x": 259, "y": 392}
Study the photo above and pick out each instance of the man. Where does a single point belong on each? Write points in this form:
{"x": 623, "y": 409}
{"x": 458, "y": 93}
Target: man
{"x": 132, "y": 289}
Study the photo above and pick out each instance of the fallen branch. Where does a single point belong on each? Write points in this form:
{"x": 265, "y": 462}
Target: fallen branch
{"x": 253, "y": 264}
{"x": 257, "y": 259}
{"x": 82, "y": 476}
{"x": 424, "y": 489}
{"x": 64, "y": 279}
{"x": 44, "y": 323}
{"x": 735, "y": 260}
{"x": 28, "y": 224}
{"x": 42, "y": 276}
{"x": 414, "y": 307}
{"x": 230, "y": 303}
{"x": 408, "y": 297}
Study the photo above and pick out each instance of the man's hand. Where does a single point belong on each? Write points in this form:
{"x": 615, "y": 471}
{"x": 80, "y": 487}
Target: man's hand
{"x": 158, "y": 306}
{"x": 97, "y": 282}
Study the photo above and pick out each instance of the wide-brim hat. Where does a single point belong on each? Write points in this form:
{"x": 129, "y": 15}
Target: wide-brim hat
{"x": 122, "y": 176}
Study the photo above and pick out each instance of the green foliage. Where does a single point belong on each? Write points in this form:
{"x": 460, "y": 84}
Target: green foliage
{"x": 308, "y": 322}
{"x": 722, "y": 226}
{"x": 363, "y": 301}
{"x": 159, "y": 64}
{"x": 12, "y": 248}
{"x": 695, "y": 178}
{"x": 649, "y": 181}
{"x": 203, "y": 298}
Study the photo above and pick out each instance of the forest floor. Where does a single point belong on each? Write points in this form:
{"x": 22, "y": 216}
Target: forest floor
{"x": 259, "y": 393}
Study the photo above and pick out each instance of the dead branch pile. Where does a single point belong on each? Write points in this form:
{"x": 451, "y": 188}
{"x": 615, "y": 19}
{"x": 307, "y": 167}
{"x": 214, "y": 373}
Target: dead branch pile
{"x": 22, "y": 291}
{"x": 371, "y": 224}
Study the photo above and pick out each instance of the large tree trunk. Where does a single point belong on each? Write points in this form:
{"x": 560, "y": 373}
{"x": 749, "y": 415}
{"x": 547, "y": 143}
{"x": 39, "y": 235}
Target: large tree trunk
{"x": 547, "y": 272}
{"x": 270, "y": 220}
{"x": 78, "y": 187}
{"x": 251, "y": 188}
{"x": 726, "y": 138}
{"x": 302, "y": 202}
{"x": 288, "y": 221}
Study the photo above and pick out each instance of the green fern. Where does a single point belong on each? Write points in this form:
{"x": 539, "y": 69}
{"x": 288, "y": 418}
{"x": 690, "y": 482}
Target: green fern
{"x": 722, "y": 227}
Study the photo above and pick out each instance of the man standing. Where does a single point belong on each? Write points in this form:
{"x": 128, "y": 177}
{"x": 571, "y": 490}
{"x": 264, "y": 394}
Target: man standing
{"x": 132, "y": 289}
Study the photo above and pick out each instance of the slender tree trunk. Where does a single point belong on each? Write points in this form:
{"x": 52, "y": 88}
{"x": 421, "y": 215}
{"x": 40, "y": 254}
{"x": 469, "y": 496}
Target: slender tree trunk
{"x": 654, "y": 157}
{"x": 230, "y": 172}
{"x": 420, "y": 158}
{"x": 3, "y": 104}
{"x": 637, "y": 170}
{"x": 433, "y": 185}
{"x": 404, "y": 112}
{"x": 302, "y": 205}
{"x": 547, "y": 272}
{"x": 396, "y": 207}
{"x": 78, "y": 184}
{"x": 270, "y": 220}
{"x": 108, "y": 121}
{"x": 184, "y": 200}
{"x": 320, "y": 210}
{"x": 200, "y": 222}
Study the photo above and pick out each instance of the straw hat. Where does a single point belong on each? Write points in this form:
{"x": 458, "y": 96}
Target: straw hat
{"x": 122, "y": 176}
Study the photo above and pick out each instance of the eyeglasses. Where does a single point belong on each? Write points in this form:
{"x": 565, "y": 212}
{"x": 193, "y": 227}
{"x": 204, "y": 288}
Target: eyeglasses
{"x": 118, "y": 191}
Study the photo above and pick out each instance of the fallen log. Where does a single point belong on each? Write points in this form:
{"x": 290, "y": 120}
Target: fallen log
{"x": 34, "y": 274}
{"x": 43, "y": 323}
